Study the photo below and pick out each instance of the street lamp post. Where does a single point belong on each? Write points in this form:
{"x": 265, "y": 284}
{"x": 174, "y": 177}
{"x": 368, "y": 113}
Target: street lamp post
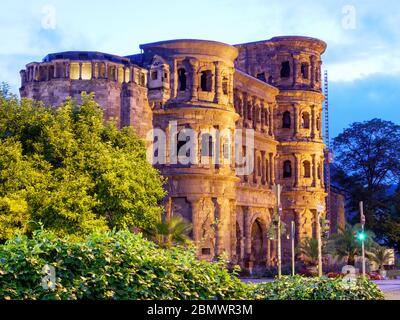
{"x": 292, "y": 233}
{"x": 278, "y": 189}
{"x": 362, "y": 237}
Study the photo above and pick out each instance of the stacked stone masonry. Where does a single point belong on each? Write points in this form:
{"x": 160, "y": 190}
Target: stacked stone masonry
{"x": 272, "y": 86}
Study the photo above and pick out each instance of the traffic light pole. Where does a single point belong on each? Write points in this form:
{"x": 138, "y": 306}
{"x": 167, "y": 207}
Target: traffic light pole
{"x": 362, "y": 218}
{"x": 293, "y": 233}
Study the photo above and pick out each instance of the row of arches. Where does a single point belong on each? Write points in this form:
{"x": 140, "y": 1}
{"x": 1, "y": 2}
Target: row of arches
{"x": 305, "y": 121}
{"x": 206, "y": 78}
{"x": 287, "y": 169}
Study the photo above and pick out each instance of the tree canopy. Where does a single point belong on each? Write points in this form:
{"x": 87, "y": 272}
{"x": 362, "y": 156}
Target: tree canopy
{"x": 66, "y": 170}
{"x": 367, "y": 164}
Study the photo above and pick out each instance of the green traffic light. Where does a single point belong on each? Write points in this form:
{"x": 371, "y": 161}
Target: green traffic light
{"x": 361, "y": 236}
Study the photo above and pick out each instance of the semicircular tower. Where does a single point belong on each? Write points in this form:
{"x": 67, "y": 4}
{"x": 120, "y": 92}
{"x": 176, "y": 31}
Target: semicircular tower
{"x": 293, "y": 65}
{"x": 191, "y": 94}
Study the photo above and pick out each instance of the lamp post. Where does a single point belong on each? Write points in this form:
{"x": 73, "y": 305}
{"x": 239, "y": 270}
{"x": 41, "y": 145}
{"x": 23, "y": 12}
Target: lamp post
{"x": 362, "y": 237}
{"x": 320, "y": 208}
{"x": 277, "y": 190}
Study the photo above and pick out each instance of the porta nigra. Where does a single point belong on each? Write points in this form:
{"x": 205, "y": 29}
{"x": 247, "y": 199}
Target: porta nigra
{"x": 271, "y": 86}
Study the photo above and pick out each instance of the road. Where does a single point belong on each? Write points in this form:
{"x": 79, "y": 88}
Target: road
{"x": 391, "y": 288}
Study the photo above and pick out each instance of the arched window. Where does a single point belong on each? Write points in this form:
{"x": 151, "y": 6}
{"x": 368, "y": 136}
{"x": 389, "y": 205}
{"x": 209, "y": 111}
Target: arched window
{"x": 207, "y": 145}
{"x": 305, "y": 120}
{"x": 307, "y": 169}
{"x": 287, "y": 169}
{"x": 304, "y": 70}
{"x": 182, "y": 79}
{"x": 285, "y": 69}
{"x": 206, "y": 81}
{"x": 286, "y": 120}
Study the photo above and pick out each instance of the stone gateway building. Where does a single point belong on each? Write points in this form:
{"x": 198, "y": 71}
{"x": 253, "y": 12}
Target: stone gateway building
{"x": 271, "y": 86}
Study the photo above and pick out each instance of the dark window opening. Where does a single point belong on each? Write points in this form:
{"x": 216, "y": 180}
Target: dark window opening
{"x": 304, "y": 70}
{"x": 154, "y": 75}
{"x": 206, "y": 81}
{"x": 270, "y": 80}
{"x": 259, "y": 170}
{"x": 261, "y": 76}
{"x": 182, "y": 79}
{"x": 205, "y": 251}
{"x": 307, "y": 169}
{"x": 287, "y": 169}
{"x": 318, "y": 123}
{"x": 285, "y": 69}
{"x": 286, "y": 121}
{"x": 305, "y": 121}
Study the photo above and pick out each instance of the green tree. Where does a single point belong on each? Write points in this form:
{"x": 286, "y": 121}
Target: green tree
{"x": 67, "y": 170}
{"x": 367, "y": 164}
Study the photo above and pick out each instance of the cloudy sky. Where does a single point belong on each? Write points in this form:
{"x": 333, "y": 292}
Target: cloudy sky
{"x": 363, "y": 36}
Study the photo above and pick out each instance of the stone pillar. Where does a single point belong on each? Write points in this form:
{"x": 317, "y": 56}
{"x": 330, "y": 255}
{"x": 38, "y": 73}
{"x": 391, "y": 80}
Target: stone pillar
{"x": 263, "y": 168}
{"x": 313, "y": 121}
{"x": 230, "y": 85}
{"x": 218, "y": 82}
{"x": 195, "y": 79}
{"x": 314, "y": 171}
{"x": 271, "y": 120}
{"x": 94, "y": 71}
{"x": 223, "y": 215}
{"x": 247, "y": 233}
{"x": 295, "y": 69}
{"x": 195, "y": 203}
{"x": 322, "y": 172}
{"x": 55, "y": 70}
{"x": 295, "y": 118}
{"x": 174, "y": 79}
{"x": 106, "y": 70}
{"x": 80, "y": 70}
{"x": 296, "y": 169}
{"x": 312, "y": 78}
{"x": 272, "y": 169}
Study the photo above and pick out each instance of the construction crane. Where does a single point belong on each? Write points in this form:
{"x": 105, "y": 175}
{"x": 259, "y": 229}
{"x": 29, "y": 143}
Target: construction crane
{"x": 328, "y": 149}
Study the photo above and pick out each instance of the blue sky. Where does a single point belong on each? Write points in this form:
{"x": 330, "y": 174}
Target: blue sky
{"x": 363, "y": 36}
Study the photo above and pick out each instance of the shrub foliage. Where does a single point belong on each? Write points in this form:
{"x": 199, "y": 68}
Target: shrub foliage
{"x": 122, "y": 265}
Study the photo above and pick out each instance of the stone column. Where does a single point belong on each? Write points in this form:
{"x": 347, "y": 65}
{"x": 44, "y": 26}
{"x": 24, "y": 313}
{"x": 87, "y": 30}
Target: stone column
{"x": 263, "y": 168}
{"x": 106, "y": 70}
{"x": 295, "y": 69}
{"x": 195, "y": 203}
{"x": 271, "y": 120}
{"x": 296, "y": 169}
{"x": 218, "y": 82}
{"x": 313, "y": 121}
{"x": 312, "y": 70}
{"x": 272, "y": 169}
{"x": 224, "y": 216}
{"x": 174, "y": 79}
{"x": 94, "y": 70}
{"x": 295, "y": 118}
{"x": 195, "y": 80}
{"x": 247, "y": 233}
{"x": 80, "y": 70}
{"x": 322, "y": 163}
{"x": 230, "y": 85}
{"x": 314, "y": 170}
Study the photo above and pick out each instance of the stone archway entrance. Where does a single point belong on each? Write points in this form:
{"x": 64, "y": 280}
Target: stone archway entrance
{"x": 258, "y": 243}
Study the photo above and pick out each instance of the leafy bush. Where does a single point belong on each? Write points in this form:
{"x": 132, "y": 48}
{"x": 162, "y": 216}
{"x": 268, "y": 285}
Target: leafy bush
{"x": 122, "y": 265}
{"x": 300, "y": 288}
{"x": 114, "y": 265}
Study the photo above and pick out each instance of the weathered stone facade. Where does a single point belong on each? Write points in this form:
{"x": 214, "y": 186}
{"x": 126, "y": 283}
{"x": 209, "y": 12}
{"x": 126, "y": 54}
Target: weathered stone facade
{"x": 272, "y": 86}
